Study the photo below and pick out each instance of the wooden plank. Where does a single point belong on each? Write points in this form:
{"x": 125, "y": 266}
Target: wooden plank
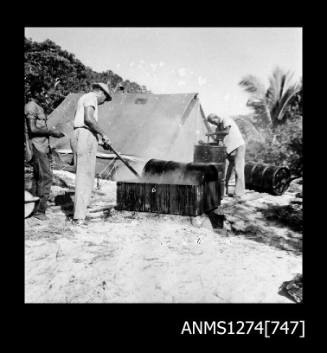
{"x": 199, "y": 198}
{"x": 211, "y": 196}
{"x": 172, "y": 198}
{"x": 147, "y": 198}
{"x": 196, "y": 199}
{"x": 119, "y": 195}
{"x": 100, "y": 209}
{"x": 187, "y": 206}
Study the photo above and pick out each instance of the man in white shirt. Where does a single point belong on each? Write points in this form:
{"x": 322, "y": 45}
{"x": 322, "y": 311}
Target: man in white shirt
{"x": 235, "y": 148}
{"x": 84, "y": 143}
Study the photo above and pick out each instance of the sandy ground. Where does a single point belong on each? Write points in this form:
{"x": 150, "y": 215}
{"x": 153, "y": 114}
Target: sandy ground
{"x": 140, "y": 257}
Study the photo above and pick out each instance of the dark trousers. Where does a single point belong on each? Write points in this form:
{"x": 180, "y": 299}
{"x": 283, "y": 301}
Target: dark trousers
{"x": 42, "y": 178}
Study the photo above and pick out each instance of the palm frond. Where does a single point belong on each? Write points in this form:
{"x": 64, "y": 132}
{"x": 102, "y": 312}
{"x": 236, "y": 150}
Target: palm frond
{"x": 253, "y": 85}
{"x": 278, "y": 82}
{"x": 248, "y": 130}
{"x": 288, "y": 95}
{"x": 274, "y": 91}
{"x": 257, "y": 101}
{"x": 279, "y": 93}
{"x": 260, "y": 109}
{"x": 269, "y": 105}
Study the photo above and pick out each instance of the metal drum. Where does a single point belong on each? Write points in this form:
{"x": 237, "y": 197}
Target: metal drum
{"x": 274, "y": 180}
{"x": 30, "y": 203}
{"x": 209, "y": 153}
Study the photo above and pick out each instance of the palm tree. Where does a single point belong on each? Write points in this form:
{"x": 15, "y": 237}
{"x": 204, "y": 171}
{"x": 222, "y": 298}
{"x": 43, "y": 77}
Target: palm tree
{"x": 270, "y": 104}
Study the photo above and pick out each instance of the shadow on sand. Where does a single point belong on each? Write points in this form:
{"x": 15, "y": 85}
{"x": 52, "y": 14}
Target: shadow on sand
{"x": 65, "y": 202}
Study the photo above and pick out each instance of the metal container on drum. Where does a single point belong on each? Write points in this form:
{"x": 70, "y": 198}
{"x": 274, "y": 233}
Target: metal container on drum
{"x": 209, "y": 153}
{"x": 212, "y": 154}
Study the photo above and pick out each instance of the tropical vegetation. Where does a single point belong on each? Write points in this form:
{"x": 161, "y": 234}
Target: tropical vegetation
{"x": 277, "y": 116}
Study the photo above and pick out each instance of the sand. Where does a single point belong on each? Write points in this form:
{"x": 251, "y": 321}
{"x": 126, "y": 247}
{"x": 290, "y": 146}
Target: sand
{"x": 128, "y": 257}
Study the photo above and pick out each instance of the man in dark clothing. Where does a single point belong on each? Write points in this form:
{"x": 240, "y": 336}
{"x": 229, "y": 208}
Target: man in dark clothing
{"x": 39, "y": 136}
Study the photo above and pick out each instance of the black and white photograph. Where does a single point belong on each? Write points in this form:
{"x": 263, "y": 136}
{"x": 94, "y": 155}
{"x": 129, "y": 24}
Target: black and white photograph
{"x": 163, "y": 165}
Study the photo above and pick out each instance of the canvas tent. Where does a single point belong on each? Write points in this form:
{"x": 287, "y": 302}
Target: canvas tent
{"x": 145, "y": 126}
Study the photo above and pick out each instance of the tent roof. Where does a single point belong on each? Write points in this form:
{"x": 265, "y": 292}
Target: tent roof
{"x": 132, "y": 121}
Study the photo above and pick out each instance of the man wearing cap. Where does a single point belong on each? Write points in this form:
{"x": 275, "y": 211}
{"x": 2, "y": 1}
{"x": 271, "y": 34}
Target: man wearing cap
{"x": 84, "y": 143}
{"x": 38, "y": 134}
{"x": 235, "y": 148}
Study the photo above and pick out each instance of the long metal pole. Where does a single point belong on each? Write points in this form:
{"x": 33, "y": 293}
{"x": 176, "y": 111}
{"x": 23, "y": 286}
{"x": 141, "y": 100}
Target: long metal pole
{"x": 125, "y": 162}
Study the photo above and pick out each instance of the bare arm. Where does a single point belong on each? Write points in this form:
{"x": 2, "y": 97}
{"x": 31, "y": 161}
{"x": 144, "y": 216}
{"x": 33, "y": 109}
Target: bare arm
{"x": 227, "y": 128}
{"x": 92, "y": 123}
{"x": 215, "y": 121}
{"x": 41, "y": 131}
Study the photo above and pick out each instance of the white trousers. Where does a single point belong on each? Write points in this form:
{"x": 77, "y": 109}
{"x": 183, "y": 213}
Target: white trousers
{"x": 236, "y": 160}
{"x": 84, "y": 145}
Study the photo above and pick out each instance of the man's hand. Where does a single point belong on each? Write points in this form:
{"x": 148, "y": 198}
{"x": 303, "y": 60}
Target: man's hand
{"x": 105, "y": 140}
{"x": 105, "y": 146}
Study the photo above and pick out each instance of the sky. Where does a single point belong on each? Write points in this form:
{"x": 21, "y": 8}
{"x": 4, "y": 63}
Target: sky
{"x": 208, "y": 61}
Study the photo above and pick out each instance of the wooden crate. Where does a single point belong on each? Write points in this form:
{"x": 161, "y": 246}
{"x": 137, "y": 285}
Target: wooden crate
{"x": 177, "y": 199}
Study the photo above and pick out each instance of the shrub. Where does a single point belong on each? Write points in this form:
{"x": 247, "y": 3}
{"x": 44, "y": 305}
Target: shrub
{"x": 288, "y": 215}
{"x": 282, "y": 146}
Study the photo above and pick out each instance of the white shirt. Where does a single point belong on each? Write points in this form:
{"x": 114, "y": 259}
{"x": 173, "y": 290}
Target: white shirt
{"x": 86, "y": 100}
{"x": 234, "y": 139}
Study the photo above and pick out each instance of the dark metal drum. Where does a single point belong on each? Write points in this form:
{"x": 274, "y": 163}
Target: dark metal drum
{"x": 209, "y": 153}
{"x": 170, "y": 172}
{"x": 274, "y": 180}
